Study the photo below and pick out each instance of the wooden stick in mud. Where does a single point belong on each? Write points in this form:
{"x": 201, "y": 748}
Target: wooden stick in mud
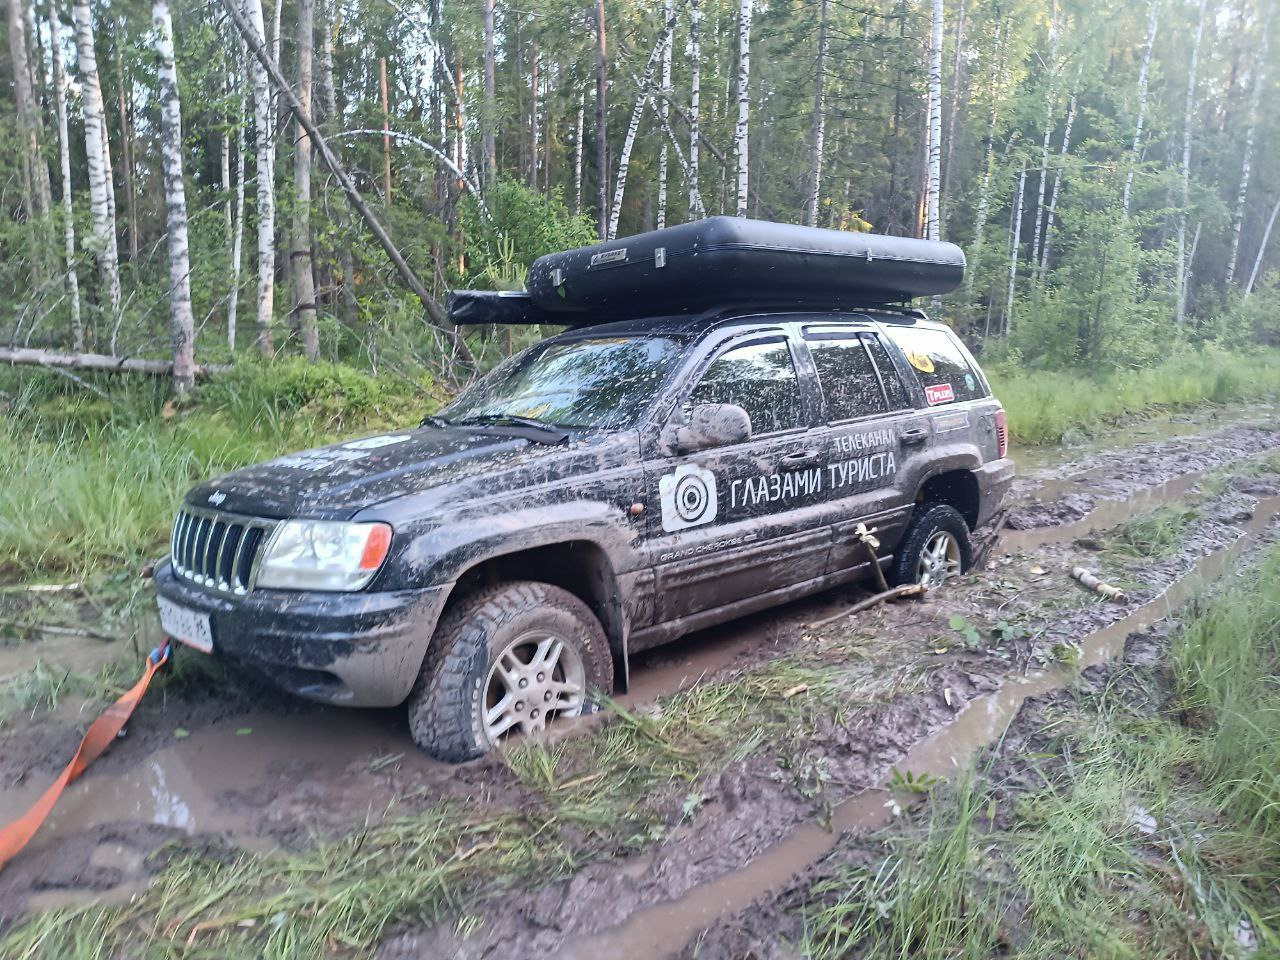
{"x": 870, "y": 544}
{"x": 997, "y": 527}
{"x": 896, "y": 593}
{"x": 1087, "y": 579}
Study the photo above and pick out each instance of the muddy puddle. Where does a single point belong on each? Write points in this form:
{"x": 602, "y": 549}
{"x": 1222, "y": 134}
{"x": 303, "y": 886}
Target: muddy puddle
{"x": 665, "y": 929}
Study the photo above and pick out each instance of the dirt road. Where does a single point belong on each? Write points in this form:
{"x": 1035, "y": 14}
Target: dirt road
{"x": 211, "y": 760}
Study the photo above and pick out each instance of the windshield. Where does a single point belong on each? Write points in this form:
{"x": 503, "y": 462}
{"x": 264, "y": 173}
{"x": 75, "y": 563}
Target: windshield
{"x": 601, "y": 382}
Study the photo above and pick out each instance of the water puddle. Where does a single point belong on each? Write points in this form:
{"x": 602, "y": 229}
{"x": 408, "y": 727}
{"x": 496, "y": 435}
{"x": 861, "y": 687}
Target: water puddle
{"x": 664, "y": 929}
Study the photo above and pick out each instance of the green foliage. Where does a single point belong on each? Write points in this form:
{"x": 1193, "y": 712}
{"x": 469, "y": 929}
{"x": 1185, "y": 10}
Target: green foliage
{"x": 522, "y": 225}
{"x": 1046, "y": 406}
{"x": 1152, "y": 536}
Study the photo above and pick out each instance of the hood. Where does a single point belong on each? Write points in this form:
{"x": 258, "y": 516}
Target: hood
{"x": 337, "y": 481}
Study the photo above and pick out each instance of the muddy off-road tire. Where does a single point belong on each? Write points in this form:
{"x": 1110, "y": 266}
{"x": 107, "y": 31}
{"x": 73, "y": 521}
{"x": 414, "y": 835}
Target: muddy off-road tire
{"x": 493, "y": 643}
{"x": 934, "y": 549}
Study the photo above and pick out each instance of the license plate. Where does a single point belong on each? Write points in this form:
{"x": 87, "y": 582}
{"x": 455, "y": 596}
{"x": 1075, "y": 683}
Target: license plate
{"x": 189, "y": 626}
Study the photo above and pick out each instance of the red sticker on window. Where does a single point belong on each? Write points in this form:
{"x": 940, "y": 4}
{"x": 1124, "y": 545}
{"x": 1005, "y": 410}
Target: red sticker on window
{"x": 939, "y": 393}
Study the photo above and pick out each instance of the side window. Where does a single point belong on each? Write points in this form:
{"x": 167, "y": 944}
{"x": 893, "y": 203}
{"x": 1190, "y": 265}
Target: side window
{"x": 849, "y": 383}
{"x": 893, "y": 385}
{"x": 761, "y": 379}
{"x": 936, "y": 359}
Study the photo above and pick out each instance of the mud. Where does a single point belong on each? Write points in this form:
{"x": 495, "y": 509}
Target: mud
{"x": 221, "y": 756}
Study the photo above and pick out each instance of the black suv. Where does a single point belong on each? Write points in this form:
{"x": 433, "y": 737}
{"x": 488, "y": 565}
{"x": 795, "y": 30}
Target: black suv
{"x": 607, "y": 490}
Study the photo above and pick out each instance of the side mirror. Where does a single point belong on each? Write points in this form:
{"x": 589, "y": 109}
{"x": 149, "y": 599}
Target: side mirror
{"x": 710, "y": 425}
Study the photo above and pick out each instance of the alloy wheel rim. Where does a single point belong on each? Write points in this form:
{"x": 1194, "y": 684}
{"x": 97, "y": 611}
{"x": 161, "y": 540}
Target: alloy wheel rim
{"x": 537, "y": 677}
{"x": 939, "y": 560}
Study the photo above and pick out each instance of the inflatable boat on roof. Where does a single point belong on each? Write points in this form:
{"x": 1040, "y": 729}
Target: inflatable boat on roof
{"x": 719, "y": 262}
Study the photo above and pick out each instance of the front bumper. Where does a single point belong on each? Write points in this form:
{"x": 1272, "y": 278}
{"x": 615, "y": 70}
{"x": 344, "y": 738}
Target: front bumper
{"x": 354, "y": 649}
{"x": 994, "y": 480}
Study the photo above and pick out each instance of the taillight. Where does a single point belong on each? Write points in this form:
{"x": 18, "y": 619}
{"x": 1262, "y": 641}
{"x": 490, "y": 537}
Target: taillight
{"x": 1002, "y": 432}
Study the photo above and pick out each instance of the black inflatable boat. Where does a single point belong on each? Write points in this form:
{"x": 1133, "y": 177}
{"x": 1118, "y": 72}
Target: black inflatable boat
{"x": 720, "y": 261}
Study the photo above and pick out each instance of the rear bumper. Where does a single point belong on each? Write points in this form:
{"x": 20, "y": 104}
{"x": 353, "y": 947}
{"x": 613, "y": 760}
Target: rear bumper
{"x": 994, "y": 480}
{"x": 354, "y": 649}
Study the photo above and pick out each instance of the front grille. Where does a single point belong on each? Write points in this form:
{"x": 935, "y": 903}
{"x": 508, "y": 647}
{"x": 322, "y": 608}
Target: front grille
{"x": 218, "y": 550}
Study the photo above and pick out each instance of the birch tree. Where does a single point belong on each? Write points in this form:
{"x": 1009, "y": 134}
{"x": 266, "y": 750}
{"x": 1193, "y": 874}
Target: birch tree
{"x": 304, "y": 285}
{"x": 934, "y": 190}
{"x": 181, "y": 318}
{"x": 819, "y": 119}
{"x": 740, "y": 138}
{"x": 64, "y": 166}
{"x": 695, "y": 94}
{"x": 1016, "y": 248}
{"x": 491, "y": 101}
{"x": 1262, "y": 250}
{"x": 1187, "y": 117}
{"x": 266, "y": 165}
{"x": 602, "y": 133}
{"x": 1057, "y": 181}
{"x": 1050, "y": 100}
{"x": 35, "y": 195}
{"x": 577, "y": 152}
{"x": 664, "y": 109}
{"x": 624, "y": 158}
{"x": 1144, "y": 79}
{"x": 237, "y": 236}
{"x": 1237, "y": 218}
{"x": 988, "y": 157}
{"x": 102, "y": 207}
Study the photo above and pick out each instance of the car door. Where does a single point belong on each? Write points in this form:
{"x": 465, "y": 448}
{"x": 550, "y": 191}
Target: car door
{"x": 871, "y": 428}
{"x": 743, "y": 520}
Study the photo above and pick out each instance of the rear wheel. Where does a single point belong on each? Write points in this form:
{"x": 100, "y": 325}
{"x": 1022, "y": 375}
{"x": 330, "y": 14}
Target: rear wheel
{"x": 934, "y": 549}
{"x": 506, "y": 661}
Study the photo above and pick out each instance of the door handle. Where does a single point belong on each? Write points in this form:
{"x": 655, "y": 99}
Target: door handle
{"x": 802, "y": 459}
{"x": 916, "y": 435}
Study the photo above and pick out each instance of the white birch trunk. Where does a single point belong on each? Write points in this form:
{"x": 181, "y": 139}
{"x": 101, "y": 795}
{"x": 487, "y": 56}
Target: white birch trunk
{"x": 1144, "y": 77}
{"x": 1262, "y": 250}
{"x": 37, "y": 201}
{"x": 225, "y": 158}
{"x": 624, "y": 158}
{"x": 1043, "y": 263}
{"x": 175, "y": 203}
{"x": 957, "y": 69}
{"x": 1017, "y": 245}
{"x": 1050, "y": 98}
{"x": 577, "y": 152}
{"x": 102, "y": 207}
{"x": 1181, "y": 313}
{"x": 819, "y": 119}
{"x": 304, "y": 284}
{"x": 64, "y": 166}
{"x": 740, "y": 131}
{"x": 664, "y": 110}
{"x": 491, "y": 103}
{"x": 695, "y": 95}
{"x": 1237, "y": 218}
{"x": 934, "y": 191}
{"x": 237, "y": 238}
{"x": 266, "y": 165}
{"x": 602, "y": 138}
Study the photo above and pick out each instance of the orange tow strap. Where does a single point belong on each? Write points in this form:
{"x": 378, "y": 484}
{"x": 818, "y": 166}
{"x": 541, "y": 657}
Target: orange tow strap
{"x": 99, "y": 736}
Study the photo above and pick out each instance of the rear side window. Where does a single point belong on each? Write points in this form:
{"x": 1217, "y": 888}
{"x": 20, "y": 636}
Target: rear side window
{"x": 935, "y": 358}
{"x": 761, "y": 379}
{"x": 849, "y": 383}
{"x": 893, "y": 386}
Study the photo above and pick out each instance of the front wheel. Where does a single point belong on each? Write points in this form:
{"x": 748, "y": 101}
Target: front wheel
{"x": 934, "y": 549}
{"x": 505, "y": 661}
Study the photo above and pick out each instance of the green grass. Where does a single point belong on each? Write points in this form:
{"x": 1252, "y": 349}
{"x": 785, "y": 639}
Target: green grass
{"x": 1151, "y": 536}
{"x": 1053, "y": 406}
{"x": 87, "y": 483}
{"x": 1140, "y": 834}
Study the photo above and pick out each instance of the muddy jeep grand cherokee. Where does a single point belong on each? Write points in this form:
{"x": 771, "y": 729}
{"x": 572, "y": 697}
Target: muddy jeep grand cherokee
{"x": 605, "y": 491}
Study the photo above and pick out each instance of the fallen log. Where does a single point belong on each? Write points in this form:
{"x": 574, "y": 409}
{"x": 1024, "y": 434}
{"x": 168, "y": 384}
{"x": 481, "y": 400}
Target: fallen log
{"x": 906, "y": 590}
{"x": 24, "y": 356}
{"x": 1088, "y": 580}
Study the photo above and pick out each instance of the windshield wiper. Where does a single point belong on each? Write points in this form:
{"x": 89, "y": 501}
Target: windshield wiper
{"x": 553, "y": 433}
{"x": 436, "y": 421}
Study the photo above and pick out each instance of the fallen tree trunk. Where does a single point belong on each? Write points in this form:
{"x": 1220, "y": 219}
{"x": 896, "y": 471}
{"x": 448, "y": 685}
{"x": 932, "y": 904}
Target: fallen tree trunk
{"x": 18, "y": 356}
{"x": 896, "y": 593}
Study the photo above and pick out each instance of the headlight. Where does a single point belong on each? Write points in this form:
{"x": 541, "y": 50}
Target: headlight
{"x": 323, "y": 555}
